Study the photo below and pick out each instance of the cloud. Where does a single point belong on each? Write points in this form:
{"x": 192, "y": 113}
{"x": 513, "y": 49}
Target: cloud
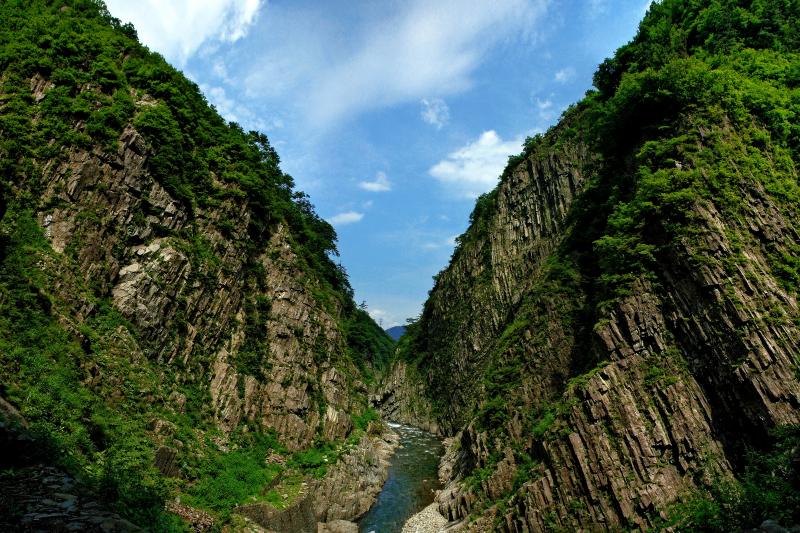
{"x": 473, "y": 169}
{"x": 378, "y": 315}
{"x": 448, "y": 243}
{"x": 546, "y": 110}
{"x": 178, "y": 28}
{"x": 348, "y": 217}
{"x": 380, "y": 184}
{"x": 564, "y": 75}
{"x": 234, "y": 111}
{"x": 597, "y": 8}
{"x": 219, "y": 99}
{"x": 435, "y": 112}
{"x": 394, "y": 53}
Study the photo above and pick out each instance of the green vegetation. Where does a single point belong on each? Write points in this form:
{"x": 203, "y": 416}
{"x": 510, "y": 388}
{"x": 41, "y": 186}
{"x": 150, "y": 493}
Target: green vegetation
{"x": 769, "y": 488}
{"x": 316, "y": 460}
{"x": 369, "y": 344}
{"x": 251, "y": 359}
{"x": 362, "y": 421}
{"x": 236, "y": 477}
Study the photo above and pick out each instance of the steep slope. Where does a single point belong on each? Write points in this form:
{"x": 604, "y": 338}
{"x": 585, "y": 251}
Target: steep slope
{"x": 169, "y": 310}
{"x": 615, "y": 341}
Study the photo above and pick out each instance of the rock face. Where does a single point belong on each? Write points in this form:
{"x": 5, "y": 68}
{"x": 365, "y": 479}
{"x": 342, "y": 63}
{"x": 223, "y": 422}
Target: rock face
{"x": 464, "y": 311}
{"x": 185, "y": 310}
{"x": 400, "y": 396}
{"x": 590, "y": 388}
{"x": 168, "y": 300}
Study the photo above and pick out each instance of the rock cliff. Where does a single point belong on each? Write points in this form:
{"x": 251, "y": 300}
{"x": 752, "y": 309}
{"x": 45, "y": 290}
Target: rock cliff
{"x": 617, "y": 330}
{"x": 169, "y": 301}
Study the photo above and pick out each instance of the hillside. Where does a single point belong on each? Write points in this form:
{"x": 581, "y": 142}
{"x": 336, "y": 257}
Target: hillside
{"x": 614, "y": 344}
{"x": 170, "y": 312}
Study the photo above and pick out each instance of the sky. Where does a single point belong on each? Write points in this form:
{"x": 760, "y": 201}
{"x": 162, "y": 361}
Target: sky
{"x": 392, "y": 115}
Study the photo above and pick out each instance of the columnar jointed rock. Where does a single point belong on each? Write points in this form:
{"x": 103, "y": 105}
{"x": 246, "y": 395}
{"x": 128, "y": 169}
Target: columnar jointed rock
{"x": 600, "y": 355}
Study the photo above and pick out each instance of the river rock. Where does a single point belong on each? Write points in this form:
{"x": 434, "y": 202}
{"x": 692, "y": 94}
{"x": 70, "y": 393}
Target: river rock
{"x": 429, "y": 520}
{"x": 337, "y": 526}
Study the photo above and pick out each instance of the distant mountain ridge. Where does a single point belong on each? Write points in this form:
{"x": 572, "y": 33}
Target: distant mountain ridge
{"x": 395, "y": 332}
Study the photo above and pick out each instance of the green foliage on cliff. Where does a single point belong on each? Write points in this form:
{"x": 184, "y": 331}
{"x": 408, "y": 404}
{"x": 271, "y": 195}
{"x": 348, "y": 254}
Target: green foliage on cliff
{"x": 237, "y": 476}
{"x": 367, "y": 341}
{"x": 768, "y": 489}
{"x": 41, "y": 372}
{"x": 103, "y": 79}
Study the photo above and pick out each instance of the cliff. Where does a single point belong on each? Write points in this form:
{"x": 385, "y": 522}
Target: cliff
{"x": 170, "y": 309}
{"x": 614, "y": 343}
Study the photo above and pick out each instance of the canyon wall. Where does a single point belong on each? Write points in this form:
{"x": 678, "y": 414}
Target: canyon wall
{"x": 171, "y": 311}
{"x": 619, "y": 324}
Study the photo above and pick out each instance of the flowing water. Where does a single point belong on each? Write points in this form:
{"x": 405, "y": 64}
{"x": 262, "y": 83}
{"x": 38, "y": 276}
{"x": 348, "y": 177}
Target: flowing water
{"x": 412, "y": 479}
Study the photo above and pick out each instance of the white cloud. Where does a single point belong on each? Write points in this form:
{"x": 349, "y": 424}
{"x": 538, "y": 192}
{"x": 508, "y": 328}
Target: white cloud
{"x": 474, "y": 168}
{"x": 564, "y": 75}
{"x": 380, "y": 184}
{"x": 234, "y": 111}
{"x": 546, "y": 110}
{"x": 348, "y": 217}
{"x": 397, "y": 52}
{"x": 435, "y": 112}
{"x": 221, "y": 70}
{"x": 597, "y": 7}
{"x": 225, "y": 106}
{"x": 448, "y": 243}
{"x": 378, "y": 315}
{"x": 178, "y": 28}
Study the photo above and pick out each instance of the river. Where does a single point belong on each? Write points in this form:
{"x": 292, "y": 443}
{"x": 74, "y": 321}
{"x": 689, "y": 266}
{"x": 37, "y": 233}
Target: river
{"x": 413, "y": 478}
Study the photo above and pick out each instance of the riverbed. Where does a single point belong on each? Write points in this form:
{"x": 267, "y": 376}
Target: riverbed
{"x": 413, "y": 478}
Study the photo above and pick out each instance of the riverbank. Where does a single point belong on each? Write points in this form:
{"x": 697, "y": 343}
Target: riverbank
{"x": 332, "y": 503}
{"x": 429, "y": 520}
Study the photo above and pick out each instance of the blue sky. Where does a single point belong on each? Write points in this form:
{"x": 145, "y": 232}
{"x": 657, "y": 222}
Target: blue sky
{"x": 393, "y": 116}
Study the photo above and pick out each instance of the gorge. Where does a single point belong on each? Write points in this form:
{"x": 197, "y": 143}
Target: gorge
{"x": 614, "y": 345}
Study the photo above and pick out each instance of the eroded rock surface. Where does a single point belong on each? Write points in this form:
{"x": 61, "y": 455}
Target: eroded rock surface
{"x": 611, "y": 413}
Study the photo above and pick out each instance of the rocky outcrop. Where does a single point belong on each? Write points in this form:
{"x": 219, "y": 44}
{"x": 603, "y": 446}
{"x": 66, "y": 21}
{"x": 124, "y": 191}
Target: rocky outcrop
{"x": 130, "y": 237}
{"x": 490, "y": 271}
{"x": 299, "y": 517}
{"x": 353, "y": 483}
{"x": 400, "y": 396}
{"x": 574, "y": 409}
